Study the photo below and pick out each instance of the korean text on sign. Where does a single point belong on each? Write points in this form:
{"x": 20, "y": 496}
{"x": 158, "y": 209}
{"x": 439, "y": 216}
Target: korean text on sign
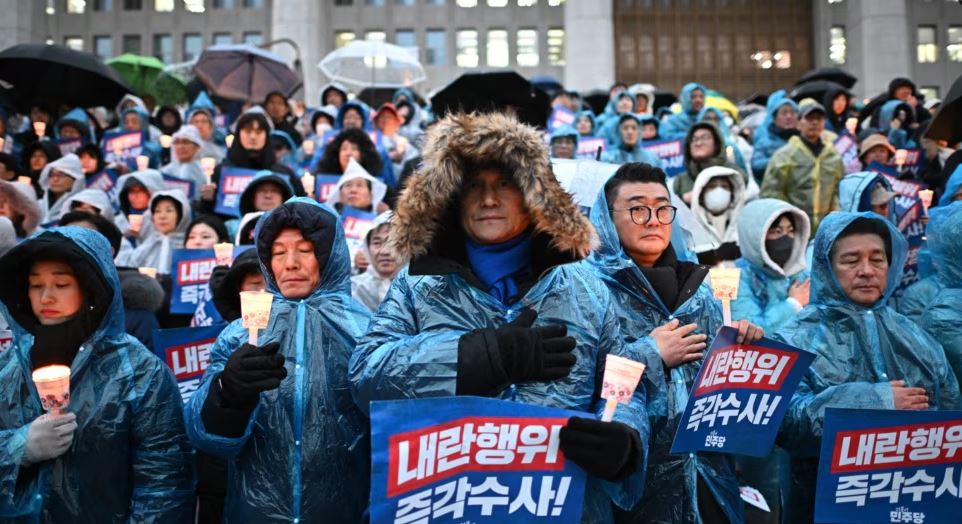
{"x": 186, "y": 351}
{"x": 467, "y": 458}
{"x": 883, "y": 465}
{"x": 740, "y": 395}
{"x": 233, "y": 181}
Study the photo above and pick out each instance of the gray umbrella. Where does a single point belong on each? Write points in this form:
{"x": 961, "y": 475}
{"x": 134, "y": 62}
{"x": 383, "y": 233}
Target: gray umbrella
{"x": 243, "y": 72}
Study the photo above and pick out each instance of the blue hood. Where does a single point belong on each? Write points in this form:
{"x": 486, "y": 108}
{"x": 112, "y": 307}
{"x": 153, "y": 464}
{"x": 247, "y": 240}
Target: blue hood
{"x": 776, "y": 101}
{"x": 336, "y": 278}
{"x": 888, "y": 112}
{"x": 685, "y": 97}
{"x": 406, "y": 92}
{"x": 264, "y": 175}
{"x": 365, "y": 113}
{"x": 944, "y": 231}
{"x": 855, "y": 190}
{"x": 202, "y": 103}
{"x": 567, "y": 131}
{"x": 952, "y": 187}
{"x": 625, "y": 94}
{"x": 80, "y": 117}
{"x": 591, "y": 116}
{"x": 144, "y": 120}
{"x": 825, "y": 287}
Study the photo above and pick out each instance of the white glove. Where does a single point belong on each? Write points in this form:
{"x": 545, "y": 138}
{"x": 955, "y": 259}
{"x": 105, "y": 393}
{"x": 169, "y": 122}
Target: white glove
{"x": 49, "y": 437}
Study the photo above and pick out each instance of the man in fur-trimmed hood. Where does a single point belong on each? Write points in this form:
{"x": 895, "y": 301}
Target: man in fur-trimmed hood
{"x": 490, "y": 304}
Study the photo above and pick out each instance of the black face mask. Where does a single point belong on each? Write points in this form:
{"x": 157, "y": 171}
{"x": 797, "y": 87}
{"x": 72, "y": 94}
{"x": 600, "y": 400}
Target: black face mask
{"x": 780, "y": 249}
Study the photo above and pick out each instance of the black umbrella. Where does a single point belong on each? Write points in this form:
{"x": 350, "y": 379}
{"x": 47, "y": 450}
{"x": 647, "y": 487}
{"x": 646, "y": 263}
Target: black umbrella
{"x": 663, "y": 99}
{"x": 815, "y": 89}
{"x": 597, "y": 100}
{"x": 947, "y": 124}
{"x": 377, "y": 96}
{"x": 547, "y": 83}
{"x": 52, "y": 75}
{"x": 832, "y": 74}
{"x": 486, "y": 92}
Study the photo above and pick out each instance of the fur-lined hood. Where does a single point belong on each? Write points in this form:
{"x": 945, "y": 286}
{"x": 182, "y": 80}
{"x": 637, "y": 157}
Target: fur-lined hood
{"x": 20, "y": 200}
{"x": 458, "y": 140}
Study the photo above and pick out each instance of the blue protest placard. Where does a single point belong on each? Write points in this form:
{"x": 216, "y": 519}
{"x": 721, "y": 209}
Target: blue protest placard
{"x": 890, "y": 466}
{"x": 671, "y": 153}
{"x": 914, "y": 163}
{"x": 847, "y": 147}
{"x": 356, "y": 223}
{"x": 471, "y": 459}
{"x": 67, "y": 146}
{"x": 588, "y": 147}
{"x": 740, "y": 396}
{"x": 186, "y": 351}
{"x": 185, "y": 186}
{"x": 908, "y": 219}
{"x": 105, "y": 181}
{"x": 190, "y": 271}
{"x": 123, "y": 147}
{"x": 560, "y": 117}
{"x": 233, "y": 182}
{"x": 324, "y": 185}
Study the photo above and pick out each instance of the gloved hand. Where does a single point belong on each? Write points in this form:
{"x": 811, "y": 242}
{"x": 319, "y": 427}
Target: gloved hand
{"x": 49, "y": 437}
{"x": 217, "y": 276}
{"x": 249, "y": 371}
{"x": 491, "y": 358}
{"x": 607, "y": 450}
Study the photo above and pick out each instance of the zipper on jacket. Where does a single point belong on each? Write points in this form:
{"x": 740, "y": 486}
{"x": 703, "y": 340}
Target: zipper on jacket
{"x": 298, "y": 414}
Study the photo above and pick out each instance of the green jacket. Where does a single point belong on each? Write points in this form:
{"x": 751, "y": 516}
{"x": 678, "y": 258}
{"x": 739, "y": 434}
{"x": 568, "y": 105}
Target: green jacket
{"x": 796, "y": 176}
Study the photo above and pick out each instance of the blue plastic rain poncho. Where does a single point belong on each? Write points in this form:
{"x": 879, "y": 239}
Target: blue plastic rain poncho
{"x": 953, "y": 188}
{"x": 732, "y": 151}
{"x": 155, "y": 249}
{"x": 78, "y": 118}
{"x": 859, "y": 350}
{"x": 566, "y": 132}
{"x": 213, "y": 146}
{"x": 619, "y": 153}
{"x": 898, "y": 137}
{"x": 609, "y": 129}
{"x": 769, "y": 137}
{"x": 677, "y": 124}
{"x": 855, "y": 192}
{"x": 594, "y": 123}
{"x": 672, "y": 485}
{"x": 411, "y": 349}
{"x": 130, "y": 460}
{"x": 943, "y": 316}
{"x": 148, "y": 147}
{"x": 304, "y": 452}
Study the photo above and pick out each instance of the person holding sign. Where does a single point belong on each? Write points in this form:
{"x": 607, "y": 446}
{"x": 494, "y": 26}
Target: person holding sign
{"x": 628, "y": 147}
{"x": 943, "y": 316}
{"x": 875, "y": 148}
{"x": 664, "y": 304}
{"x": 126, "y": 456}
{"x": 266, "y": 191}
{"x": 867, "y": 355}
{"x": 282, "y": 410}
{"x": 491, "y": 305}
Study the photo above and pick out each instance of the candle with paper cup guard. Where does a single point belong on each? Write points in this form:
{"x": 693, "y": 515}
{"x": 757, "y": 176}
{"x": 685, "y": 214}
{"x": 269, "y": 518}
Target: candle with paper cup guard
{"x": 40, "y": 128}
{"x": 224, "y": 253}
{"x": 53, "y": 387}
{"x": 148, "y": 271}
{"x": 255, "y": 312}
{"x": 619, "y": 383}
{"x": 308, "y": 182}
{"x": 724, "y": 283}
{"x": 135, "y": 222}
{"x": 2, "y": 141}
{"x": 925, "y": 195}
{"x": 118, "y": 151}
{"x": 142, "y": 162}
{"x": 852, "y": 125}
{"x": 308, "y": 146}
{"x": 229, "y": 139}
{"x": 208, "y": 163}
{"x": 25, "y": 180}
{"x": 901, "y": 155}
{"x": 166, "y": 141}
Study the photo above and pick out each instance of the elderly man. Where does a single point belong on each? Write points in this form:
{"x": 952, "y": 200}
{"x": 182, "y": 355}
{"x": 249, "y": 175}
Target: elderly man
{"x": 665, "y": 304}
{"x": 370, "y": 287}
{"x": 805, "y": 172}
{"x": 628, "y": 147}
{"x": 490, "y": 305}
{"x": 867, "y": 355}
{"x": 282, "y": 411}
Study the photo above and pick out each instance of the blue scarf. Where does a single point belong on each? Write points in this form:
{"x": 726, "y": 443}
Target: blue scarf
{"x": 496, "y": 265}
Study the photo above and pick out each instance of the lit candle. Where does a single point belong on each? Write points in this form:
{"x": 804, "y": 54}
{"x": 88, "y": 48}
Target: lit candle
{"x": 135, "y": 222}
{"x": 229, "y": 139}
{"x": 925, "y": 195}
{"x": 148, "y": 271}
{"x": 40, "y": 128}
{"x": 208, "y": 163}
{"x": 25, "y": 180}
{"x": 255, "y": 312}
{"x": 308, "y": 146}
{"x": 308, "y": 182}
{"x": 852, "y": 125}
{"x": 166, "y": 141}
{"x": 53, "y": 387}
{"x": 142, "y": 162}
{"x": 900, "y": 157}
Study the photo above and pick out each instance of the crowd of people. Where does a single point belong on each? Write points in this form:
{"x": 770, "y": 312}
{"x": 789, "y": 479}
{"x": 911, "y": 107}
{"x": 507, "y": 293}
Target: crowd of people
{"x": 478, "y": 275}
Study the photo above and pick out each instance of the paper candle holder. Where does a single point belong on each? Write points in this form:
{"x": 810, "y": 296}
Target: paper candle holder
{"x": 148, "y": 271}
{"x": 135, "y": 221}
{"x": 308, "y": 146}
{"x": 229, "y": 139}
{"x": 619, "y": 383}
{"x": 255, "y": 312}
{"x": 925, "y": 195}
{"x": 166, "y": 141}
{"x": 724, "y": 284}
{"x": 53, "y": 387}
{"x": 25, "y": 180}
{"x": 901, "y": 155}
{"x": 40, "y": 128}
{"x": 852, "y": 125}
{"x": 224, "y": 253}
{"x": 143, "y": 161}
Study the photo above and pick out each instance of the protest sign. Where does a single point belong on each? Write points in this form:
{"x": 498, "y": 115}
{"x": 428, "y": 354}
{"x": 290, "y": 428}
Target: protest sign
{"x": 233, "y": 182}
{"x": 471, "y": 459}
{"x": 908, "y": 219}
{"x": 105, "y": 181}
{"x": 890, "y": 466}
{"x": 560, "y": 117}
{"x": 185, "y": 186}
{"x": 186, "y": 351}
{"x": 588, "y": 147}
{"x": 356, "y": 224}
{"x": 847, "y": 147}
{"x": 67, "y": 146}
{"x": 6, "y": 339}
{"x": 740, "y": 396}
{"x": 190, "y": 271}
{"x": 324, "y": 185}
{"x": 671, "y": 153}
{"x": 123, "y": 147}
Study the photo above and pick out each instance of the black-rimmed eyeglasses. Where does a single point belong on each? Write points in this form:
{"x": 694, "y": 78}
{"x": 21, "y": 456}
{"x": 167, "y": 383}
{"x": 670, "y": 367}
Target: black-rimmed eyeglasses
{"x": 642, "y": 214}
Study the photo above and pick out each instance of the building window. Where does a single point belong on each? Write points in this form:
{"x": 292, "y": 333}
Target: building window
{"x": 466, "y": 46}
{"x": 375, "y": 36}
{"x": 133, "y": 5}
{"x": 374, "y": 3}
{"x": 954, "y": 47}
{"x": 435, "y": 47}
{"x": 467, "y": 3}
{"x": 103, "y": 5}
{"x": 76, "y": 6}
{"x": 254, "y": 4}
{"x": 193, "y": 45}
{"x": 223, "y": 4}
{"x": 555, "y": 3}
{"x": 164, "y": 48}
{"x": 405, "y": 38}
{"x": 556, "y": 46}
{"x": 498, "y": 54}
{"x": 131, "y": 44}
{"x": 222, "y": 39}
{"x": 929, "y": 92}
{"x": 342, "y": 38}
{"x": 163, "y": 6}
{"x": 104, "y": 47}
{"x": 837, "y": 44}
{"x": 194, "y": 6}
{"x": 254, "y": 38}
{"x": 73, "y": 42}
{"x": 927, "y": 50}
{"x": 342, "y": 3}
{"x": 527, "y": 3}
{"x": 527, "y": 48}
{"x": 497, "y": 3}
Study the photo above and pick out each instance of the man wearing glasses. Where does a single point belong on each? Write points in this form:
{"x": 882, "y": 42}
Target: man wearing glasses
{"x": 666, "y": 303}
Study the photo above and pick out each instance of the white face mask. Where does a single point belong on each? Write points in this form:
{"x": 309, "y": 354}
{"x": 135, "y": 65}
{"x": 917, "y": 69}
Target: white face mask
{"x": 322, "y": 127}
{"x": 717, "y": 199}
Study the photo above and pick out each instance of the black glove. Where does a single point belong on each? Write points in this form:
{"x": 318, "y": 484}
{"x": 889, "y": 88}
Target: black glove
{"x": 491, "y": 358}
{"x": 250, "y": 370}
{"x": 607, "y": 450}
{"x": 217, "y": 276}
